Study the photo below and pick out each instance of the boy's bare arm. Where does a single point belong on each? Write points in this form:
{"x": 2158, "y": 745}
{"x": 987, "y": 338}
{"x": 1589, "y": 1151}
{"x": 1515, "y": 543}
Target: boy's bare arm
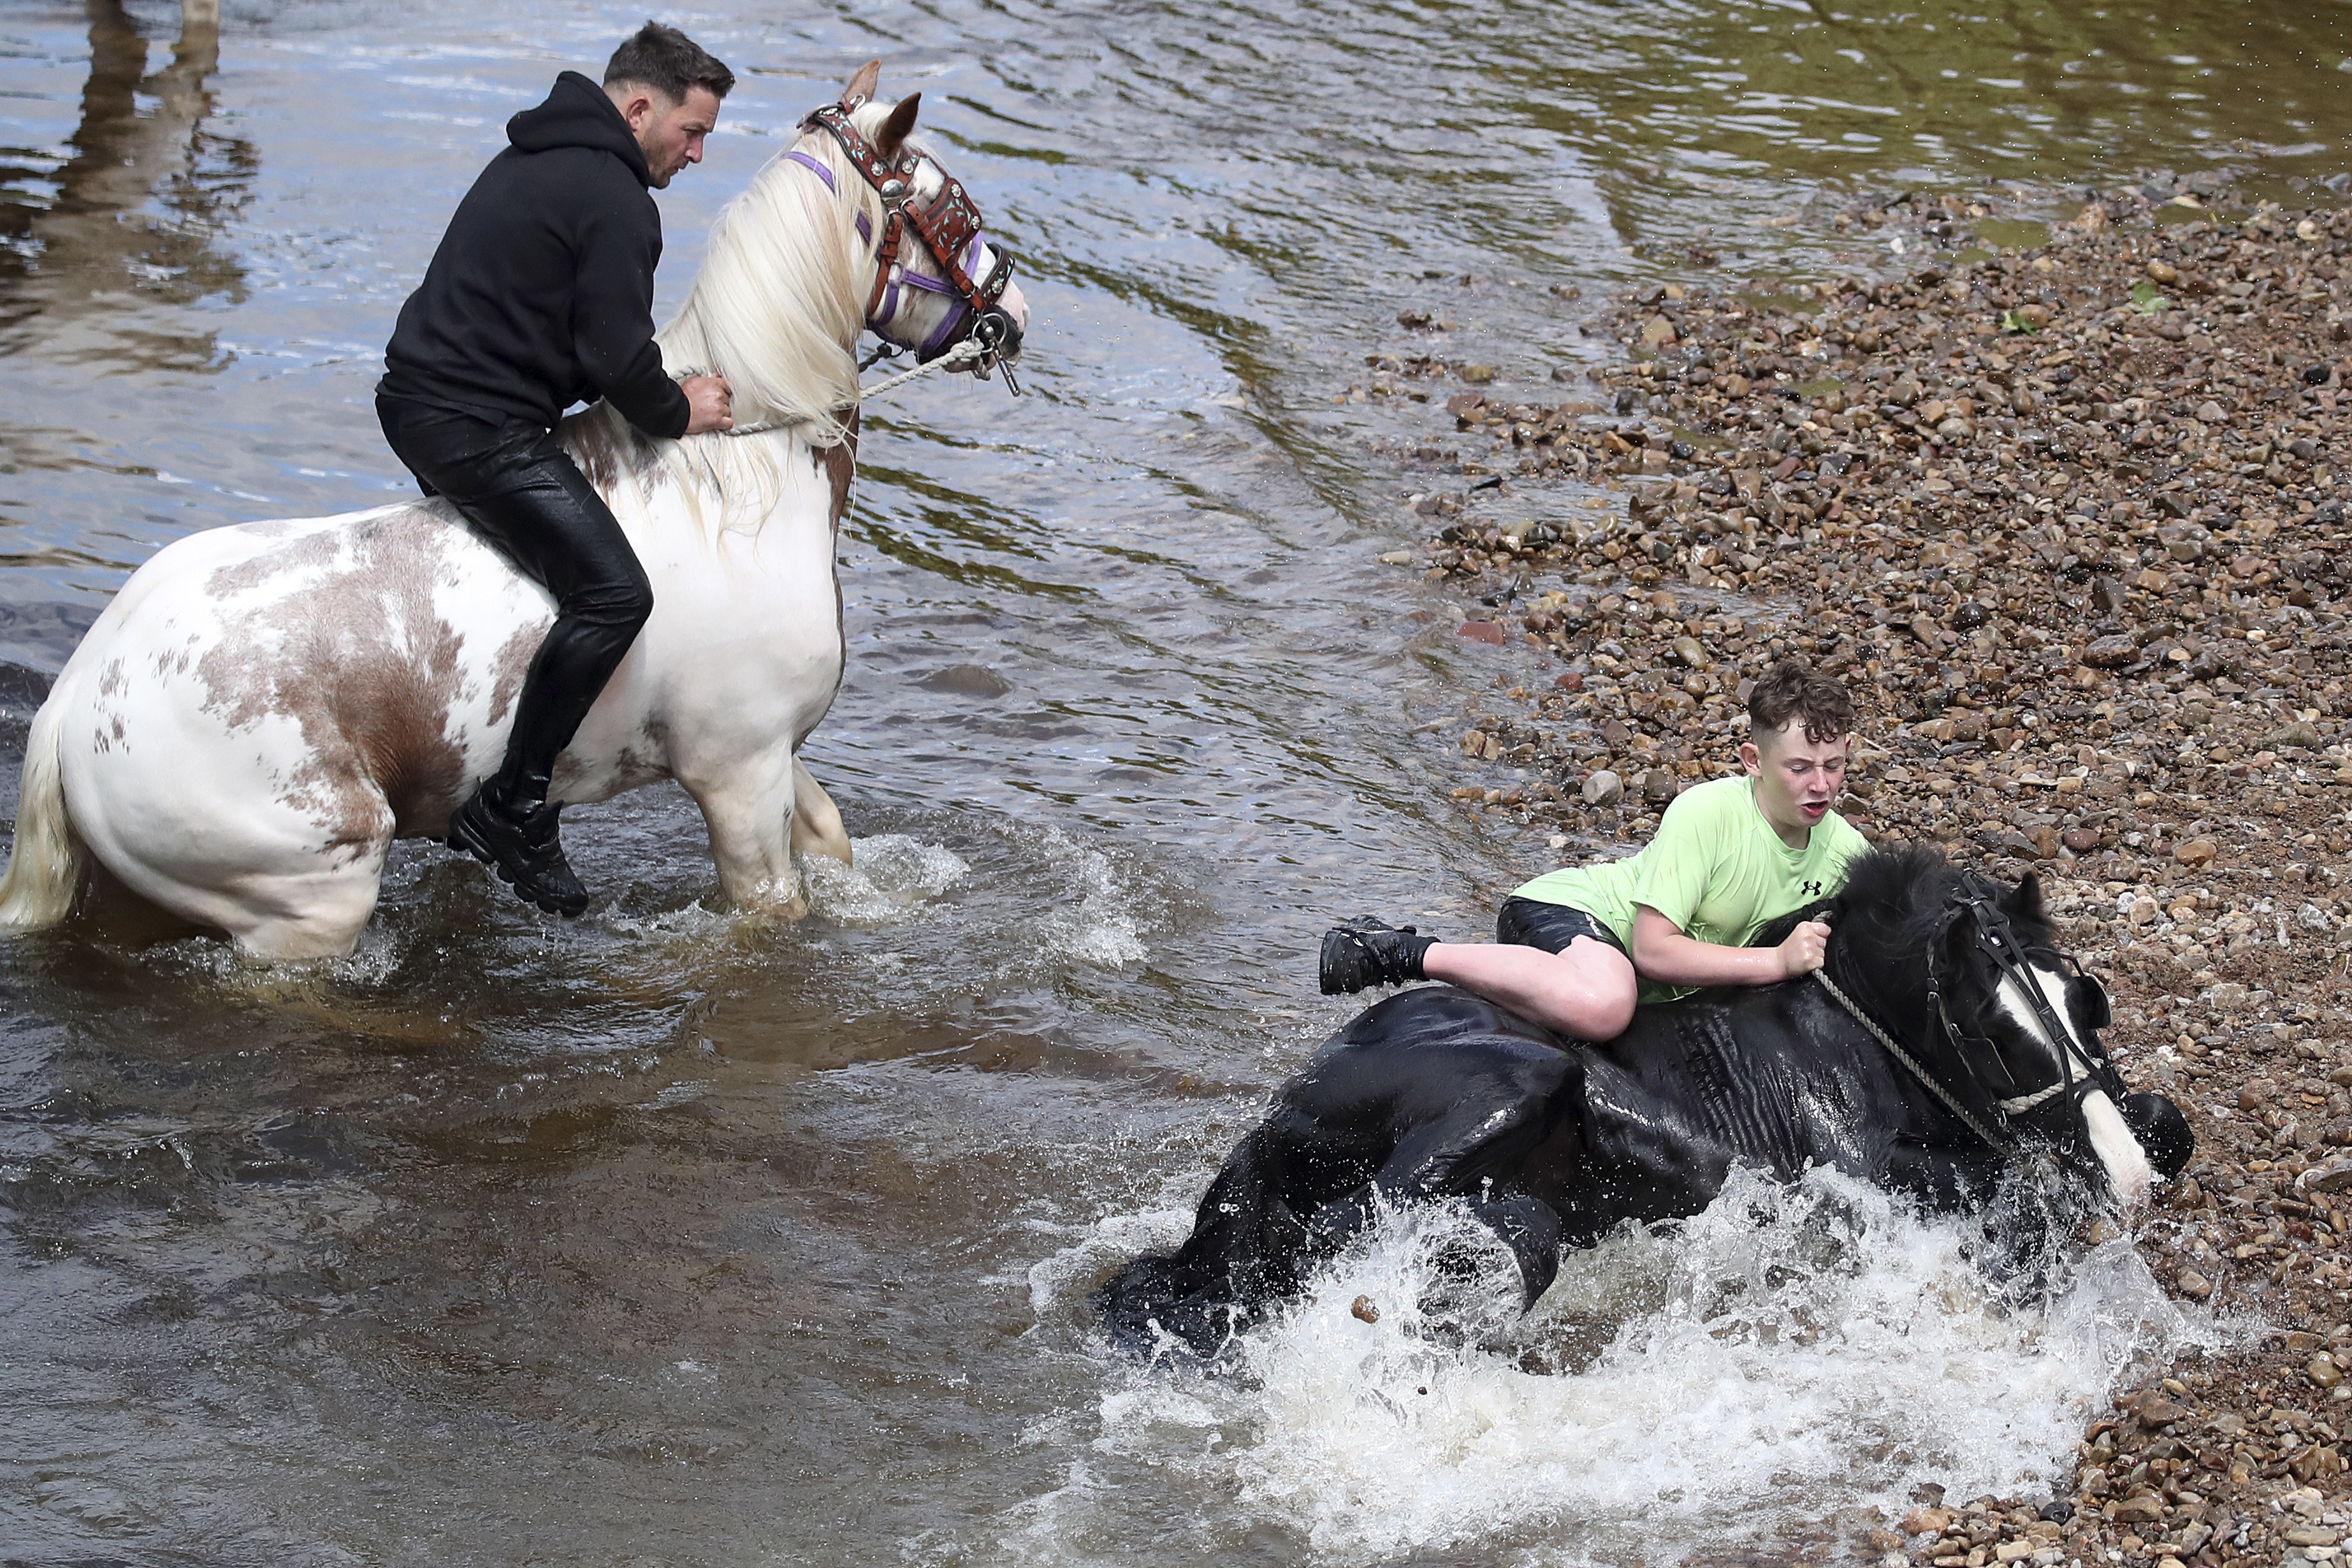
{"x": 1663, "y": 953}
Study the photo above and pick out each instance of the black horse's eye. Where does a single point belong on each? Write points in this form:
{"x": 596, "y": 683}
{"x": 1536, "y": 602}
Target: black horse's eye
{"x": 2091, "y": 997}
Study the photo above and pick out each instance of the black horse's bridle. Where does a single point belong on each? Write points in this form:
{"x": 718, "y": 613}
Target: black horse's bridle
{"x": 1996, "y": 939}
{"x": 948, "y": 223}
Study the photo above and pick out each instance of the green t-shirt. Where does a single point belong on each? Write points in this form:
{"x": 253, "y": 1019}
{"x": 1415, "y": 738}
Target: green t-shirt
{"x": 1715, "y": 868}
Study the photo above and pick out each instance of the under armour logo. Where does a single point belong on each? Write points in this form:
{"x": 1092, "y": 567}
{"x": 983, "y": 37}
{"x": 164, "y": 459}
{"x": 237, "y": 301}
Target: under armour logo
{"x": 1812, "y": 890}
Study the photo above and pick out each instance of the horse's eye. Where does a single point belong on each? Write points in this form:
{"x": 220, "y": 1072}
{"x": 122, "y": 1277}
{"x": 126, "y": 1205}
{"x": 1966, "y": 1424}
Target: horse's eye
{"x": 2092, "y": 997}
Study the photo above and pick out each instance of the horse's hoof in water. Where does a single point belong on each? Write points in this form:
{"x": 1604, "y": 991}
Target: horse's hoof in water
{"x": 1366, "y": 951}
{"x": 526, "y": 851}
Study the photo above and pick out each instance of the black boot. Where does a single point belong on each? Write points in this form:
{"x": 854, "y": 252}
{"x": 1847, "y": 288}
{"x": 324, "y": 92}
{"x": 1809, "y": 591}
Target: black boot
{"x": 519, "y": 841}
{"x": 1366, "y": 951}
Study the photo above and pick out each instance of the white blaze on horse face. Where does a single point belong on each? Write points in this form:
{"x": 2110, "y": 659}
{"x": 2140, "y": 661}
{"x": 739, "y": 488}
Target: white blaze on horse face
{"x": 2129, "y": 1175}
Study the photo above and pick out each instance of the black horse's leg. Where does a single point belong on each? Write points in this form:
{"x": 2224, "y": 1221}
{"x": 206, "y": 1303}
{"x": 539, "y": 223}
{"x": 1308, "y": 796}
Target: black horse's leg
{"x": 1534, "y": 1232}
{"x": 1246, "y": 1247}
{"x": 1463, "y": 1155}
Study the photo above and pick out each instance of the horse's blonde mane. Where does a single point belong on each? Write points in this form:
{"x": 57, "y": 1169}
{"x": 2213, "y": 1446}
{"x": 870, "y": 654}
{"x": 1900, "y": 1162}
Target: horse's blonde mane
{"x": 777, "y": 309}
{"x": 780, "y": 301}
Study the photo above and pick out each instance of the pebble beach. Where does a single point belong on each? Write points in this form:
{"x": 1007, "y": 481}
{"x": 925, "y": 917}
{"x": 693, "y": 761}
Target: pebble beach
{"x": 2068, "y": 516}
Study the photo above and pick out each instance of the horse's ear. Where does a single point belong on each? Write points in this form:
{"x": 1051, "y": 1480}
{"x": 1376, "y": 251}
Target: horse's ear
{"x": 898, "y": 127}
{"x": 862, "y": 85}
{"x": 2026, "y": 903}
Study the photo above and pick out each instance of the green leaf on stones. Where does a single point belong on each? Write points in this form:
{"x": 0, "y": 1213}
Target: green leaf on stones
{"x": 2148, "y": 301}
{"x": 2015, "y": 321}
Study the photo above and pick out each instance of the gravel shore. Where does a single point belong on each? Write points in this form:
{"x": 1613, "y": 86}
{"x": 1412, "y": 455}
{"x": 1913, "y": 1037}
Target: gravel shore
{"x": 2069, "y": 521}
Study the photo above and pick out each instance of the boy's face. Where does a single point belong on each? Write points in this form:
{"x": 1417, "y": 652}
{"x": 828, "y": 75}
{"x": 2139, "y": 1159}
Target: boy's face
{"x": 1797, "y": 779}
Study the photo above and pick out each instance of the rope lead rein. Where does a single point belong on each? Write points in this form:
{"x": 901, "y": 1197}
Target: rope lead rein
{"x": 1900, "y": 1054}
{"x": 956, "y": 358}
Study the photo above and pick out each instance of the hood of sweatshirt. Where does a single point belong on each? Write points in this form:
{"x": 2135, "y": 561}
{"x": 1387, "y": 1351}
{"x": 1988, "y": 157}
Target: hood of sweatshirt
{"x": 578, "y": 114}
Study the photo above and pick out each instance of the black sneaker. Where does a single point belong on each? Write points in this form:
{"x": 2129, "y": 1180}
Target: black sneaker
{"x": 524, "y": 851}
{"x": 1366, "y": 951}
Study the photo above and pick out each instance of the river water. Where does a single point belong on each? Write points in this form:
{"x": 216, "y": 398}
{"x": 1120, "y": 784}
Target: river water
{"x": 653, "y": 1240}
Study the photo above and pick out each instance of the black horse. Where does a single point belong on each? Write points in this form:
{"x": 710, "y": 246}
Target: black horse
{"x": 1945, "y": 1043}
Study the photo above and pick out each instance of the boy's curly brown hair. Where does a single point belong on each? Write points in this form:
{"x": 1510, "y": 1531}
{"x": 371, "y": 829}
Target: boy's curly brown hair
{"x": 1791, "y": 690}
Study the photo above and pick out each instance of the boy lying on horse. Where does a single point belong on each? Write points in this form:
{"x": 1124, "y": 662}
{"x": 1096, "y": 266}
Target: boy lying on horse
{"x": 1575, "y": 949}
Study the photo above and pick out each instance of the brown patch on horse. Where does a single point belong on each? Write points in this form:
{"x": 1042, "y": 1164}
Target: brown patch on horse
{"x": 512, "y": 664}
{"x": 607, "y": 449}
{"x": 311, "y": 552}
{"x": 839, "y": 466}
{"x": 362, "y": 662}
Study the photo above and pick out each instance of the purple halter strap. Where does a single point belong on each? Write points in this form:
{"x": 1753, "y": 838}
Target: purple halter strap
{"x": 805, "y": 162}
{"x": 865, "y": 229}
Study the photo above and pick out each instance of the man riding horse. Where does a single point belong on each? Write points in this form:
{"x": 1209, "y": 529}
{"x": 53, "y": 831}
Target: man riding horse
{"x": 1575, "y": 949}
{"x": 541, "y": 296}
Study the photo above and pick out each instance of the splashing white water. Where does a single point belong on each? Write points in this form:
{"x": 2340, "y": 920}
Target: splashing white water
{"x": 281, "y": 980}
{"x": 1793, "y": 1356}
{"x": 891, "y": 877}
{"x": 1097, "y": 921}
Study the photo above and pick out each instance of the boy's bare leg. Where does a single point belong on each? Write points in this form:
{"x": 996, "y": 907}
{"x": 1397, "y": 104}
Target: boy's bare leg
{"x": 1586, "y": 989}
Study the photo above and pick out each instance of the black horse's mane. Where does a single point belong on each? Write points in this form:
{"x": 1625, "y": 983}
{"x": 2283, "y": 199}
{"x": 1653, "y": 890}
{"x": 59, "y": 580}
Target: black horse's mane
{"x": 1897, "y": 903}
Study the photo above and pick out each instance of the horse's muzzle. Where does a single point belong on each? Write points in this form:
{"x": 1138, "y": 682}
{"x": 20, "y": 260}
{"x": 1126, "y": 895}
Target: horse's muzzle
{"x": 2163, "y": 1134}
{"x": 998, "y": 332}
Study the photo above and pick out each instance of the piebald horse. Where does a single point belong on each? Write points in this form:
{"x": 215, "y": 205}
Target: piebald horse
{"x": 1945, "y": 1049}
{"x": 264, "y": 707}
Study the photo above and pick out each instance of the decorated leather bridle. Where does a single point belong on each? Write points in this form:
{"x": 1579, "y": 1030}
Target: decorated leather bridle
{"x": 949, "y": 226}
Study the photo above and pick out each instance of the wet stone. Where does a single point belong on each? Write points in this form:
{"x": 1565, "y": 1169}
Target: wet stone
{"x": 2110, "y": 652}
{"x": 1603, "y": 788}
{"x": 2301, "y": 734}
{"x": 2334, "y": 1177}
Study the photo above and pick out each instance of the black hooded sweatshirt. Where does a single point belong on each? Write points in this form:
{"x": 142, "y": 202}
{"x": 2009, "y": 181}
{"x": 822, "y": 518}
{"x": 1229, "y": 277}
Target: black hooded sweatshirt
{"x": 542, "y": 293}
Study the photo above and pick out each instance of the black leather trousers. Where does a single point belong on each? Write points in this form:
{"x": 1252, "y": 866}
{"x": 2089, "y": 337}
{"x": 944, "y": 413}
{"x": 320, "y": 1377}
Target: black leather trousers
{"x": 522, "y": 493}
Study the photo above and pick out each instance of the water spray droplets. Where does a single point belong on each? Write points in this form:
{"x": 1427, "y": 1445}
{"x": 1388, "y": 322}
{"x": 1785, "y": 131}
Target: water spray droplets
{"x": 1793, "y": 1350}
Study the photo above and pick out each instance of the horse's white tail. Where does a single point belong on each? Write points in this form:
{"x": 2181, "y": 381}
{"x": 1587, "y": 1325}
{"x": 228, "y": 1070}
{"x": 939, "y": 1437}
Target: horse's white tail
{"x": 45, "y": 872}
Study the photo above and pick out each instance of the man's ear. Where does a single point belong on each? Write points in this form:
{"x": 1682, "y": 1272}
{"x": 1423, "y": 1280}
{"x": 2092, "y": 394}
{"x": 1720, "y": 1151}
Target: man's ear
{"x": 634, "y": 102}
{"x": 898, "y": 127}
{"x": 861, "y": 84}
{"x": 1750, "y": 758}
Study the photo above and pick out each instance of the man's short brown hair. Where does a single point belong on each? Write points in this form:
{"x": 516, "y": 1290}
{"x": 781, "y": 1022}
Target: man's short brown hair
{"x": 1793, "y": 690}
{"x": 667, "y": 61}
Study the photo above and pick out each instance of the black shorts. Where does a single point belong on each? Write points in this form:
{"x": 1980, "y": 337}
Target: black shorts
{"x": 1529, "y": 922}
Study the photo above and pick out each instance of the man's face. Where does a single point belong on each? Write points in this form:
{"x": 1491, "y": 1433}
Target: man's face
{"x": 1797, "y": 779}
{"x": 670, "y": 132}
